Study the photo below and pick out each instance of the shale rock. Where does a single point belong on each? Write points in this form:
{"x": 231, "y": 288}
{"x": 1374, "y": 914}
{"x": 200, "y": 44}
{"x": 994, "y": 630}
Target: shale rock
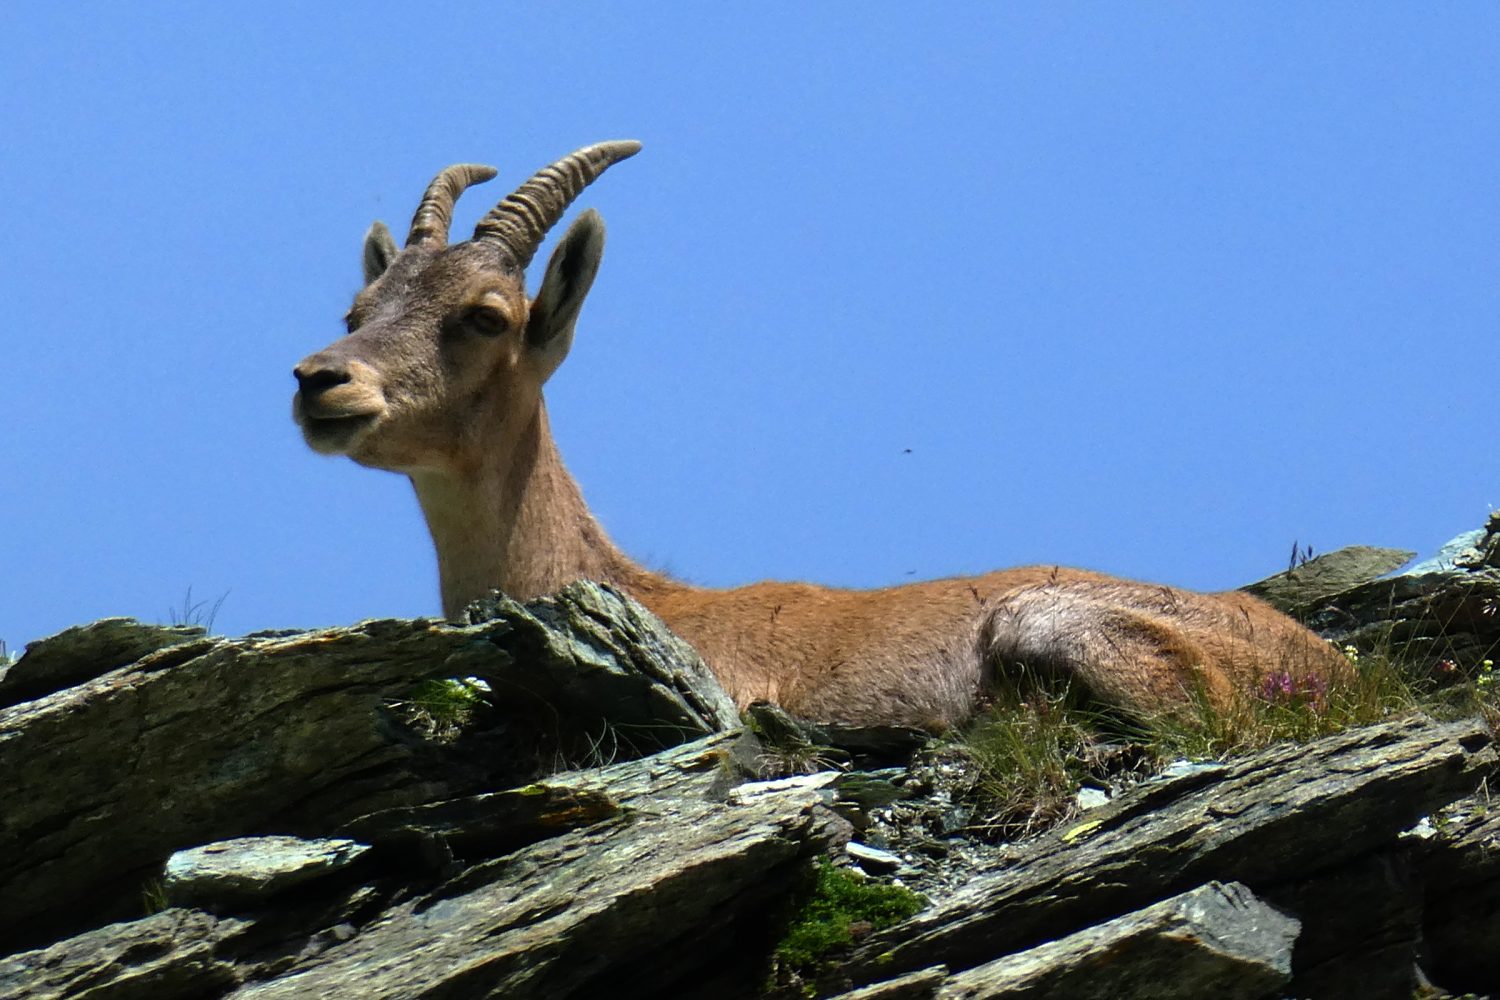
{"x": 1267, "y": 820}
{"x": 252, "y": 869}
{"x": 213, "y": 739}
{"x": 1328, "y": 574}
{"x": 82, "y": 652}
{"x": 1216, "y": 940}
{"x": 1442, "y": 614}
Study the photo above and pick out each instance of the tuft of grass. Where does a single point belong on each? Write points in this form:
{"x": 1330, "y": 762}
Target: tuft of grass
{"x": 193, "y": 612}
{"x": 1280, "y": 708}
{"x": 1030, "y": 753}
{"x": 1478, "y": 694}
{"x": 1036, "y": 746}
{"x": 154, "y": 896}
{"x": 598, "y": 751}
{"x": 441, "y": 709}
{"x": 839, "y": 906}
{"x": 786, "y": 749}
{"x": 790, "y": 759}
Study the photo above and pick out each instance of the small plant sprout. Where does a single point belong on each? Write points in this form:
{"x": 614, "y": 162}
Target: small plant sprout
{"x": 440, "y": 709}
{"x": 200, "y": 613}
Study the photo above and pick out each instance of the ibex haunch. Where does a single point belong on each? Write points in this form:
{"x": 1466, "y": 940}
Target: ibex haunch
{"x": 440, "y": 377}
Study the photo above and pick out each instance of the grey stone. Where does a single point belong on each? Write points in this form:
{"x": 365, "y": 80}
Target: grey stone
{"x": 480, "y": 826}
{"x": 488, "y": 875}
{"x": 1091, "y": 798}
{"x": 658, "y": 888}
{"x": 607, "y": 659}
{"x": 172, "y": 955}
{"x": 1444, "y": 559}
{"x": 873, "y": 859}
{"x": 248, "y": 870}
{"x": 1326, "y": 575}
{"x": 1217, "y": 940}
{"x": 1423, "y": 620}
{"x": 1461, "y": 890}
{"x": 219, "y": 738}
{"x": 920, "y": 985}
{"x": 561, "y": 918}
{"x": 83, "y": 652}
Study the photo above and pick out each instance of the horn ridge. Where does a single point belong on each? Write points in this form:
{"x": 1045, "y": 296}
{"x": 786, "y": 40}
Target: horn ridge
{"x": 434, "y": 215}
{"x": 521, "y": 220}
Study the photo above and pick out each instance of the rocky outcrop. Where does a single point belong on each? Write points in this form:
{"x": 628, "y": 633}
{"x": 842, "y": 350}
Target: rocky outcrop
{"x": 1216, "y": 940}
{"x": 1275, "y": 821}
{"x": 251, "y": 869}
{"x": 660, "y": 891}
{"x": 269, "y": 817}
{"x": 1327, "y": 575}
{"x": 84, "y": 652}
{"x": 212, "y": 739}
{"x": 1441, "y": 613}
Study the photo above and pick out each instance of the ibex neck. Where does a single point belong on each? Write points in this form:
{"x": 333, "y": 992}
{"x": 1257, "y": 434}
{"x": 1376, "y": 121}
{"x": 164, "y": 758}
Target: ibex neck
{"x": 519, "y": 524}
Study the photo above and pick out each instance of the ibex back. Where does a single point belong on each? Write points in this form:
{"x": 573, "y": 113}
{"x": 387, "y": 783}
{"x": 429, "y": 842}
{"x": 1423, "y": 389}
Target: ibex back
{"x": 440, "y": 378}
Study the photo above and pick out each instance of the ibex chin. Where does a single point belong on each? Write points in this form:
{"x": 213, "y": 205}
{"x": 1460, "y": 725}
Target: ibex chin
{"x": 440, "y": 378}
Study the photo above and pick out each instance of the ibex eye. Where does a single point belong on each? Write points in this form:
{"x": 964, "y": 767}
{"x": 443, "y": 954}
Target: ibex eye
{"x": 484, "y": 321}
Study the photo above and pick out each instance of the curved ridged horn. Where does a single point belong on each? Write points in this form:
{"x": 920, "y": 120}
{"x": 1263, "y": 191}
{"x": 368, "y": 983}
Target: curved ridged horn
{"x": 521, "y": 221}
{"x": 429, "y": 226}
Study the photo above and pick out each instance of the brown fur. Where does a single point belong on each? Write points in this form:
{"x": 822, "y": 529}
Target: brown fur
{"x": 423, "y": 386}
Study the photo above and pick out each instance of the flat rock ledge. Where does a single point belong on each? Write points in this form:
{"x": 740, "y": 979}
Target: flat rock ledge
{"x": 252, "y": 868}
{"x": 1443, "y": 612}
{"x": 1217, "y": 940}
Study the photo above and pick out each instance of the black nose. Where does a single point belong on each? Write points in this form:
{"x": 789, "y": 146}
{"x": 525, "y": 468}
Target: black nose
{"x": 316, "y": 375}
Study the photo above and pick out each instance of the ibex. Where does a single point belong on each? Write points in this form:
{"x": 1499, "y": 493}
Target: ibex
{"x": 440, "y": 378}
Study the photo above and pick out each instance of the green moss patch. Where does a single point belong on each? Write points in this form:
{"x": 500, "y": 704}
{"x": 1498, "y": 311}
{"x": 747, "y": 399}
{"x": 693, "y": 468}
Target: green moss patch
{"x": 840, "y": 906}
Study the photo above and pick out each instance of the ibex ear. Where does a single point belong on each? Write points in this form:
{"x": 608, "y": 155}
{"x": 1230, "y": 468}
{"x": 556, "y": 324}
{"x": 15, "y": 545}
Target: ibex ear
{"x": 380, "y": 250}
{"x": 570, "y": 273}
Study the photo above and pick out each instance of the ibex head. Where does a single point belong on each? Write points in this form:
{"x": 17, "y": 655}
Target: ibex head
{"x": 443, "y": 341}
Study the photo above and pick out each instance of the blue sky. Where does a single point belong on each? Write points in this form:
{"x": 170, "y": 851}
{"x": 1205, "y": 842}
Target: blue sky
{"x": 1153, "y": 289}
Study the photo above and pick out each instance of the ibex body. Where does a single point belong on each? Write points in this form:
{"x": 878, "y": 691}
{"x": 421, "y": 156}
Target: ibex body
{"x": 440, "y": 378}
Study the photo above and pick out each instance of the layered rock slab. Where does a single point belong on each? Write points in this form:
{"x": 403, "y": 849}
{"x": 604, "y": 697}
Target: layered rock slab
{"x": 1273, "y": 817}
{"x": 212, "y": 739}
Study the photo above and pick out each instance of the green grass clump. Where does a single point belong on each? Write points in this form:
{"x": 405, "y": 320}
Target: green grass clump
{"x": 1480, "y": 695}
{"x": 840, "y": 902}
{"x": 154, "y": 897}
{"x": 1379, "y": 686}
{"x": 1030, "y": 752}
{"x": 1038, "y": 744}
{"x": 440, "y": 709}
{"x": 200, "y": 613}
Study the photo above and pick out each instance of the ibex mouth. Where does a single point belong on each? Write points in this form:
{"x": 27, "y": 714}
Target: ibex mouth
{"x": 336, "y": 435}
{"x": 332, "y": 434}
